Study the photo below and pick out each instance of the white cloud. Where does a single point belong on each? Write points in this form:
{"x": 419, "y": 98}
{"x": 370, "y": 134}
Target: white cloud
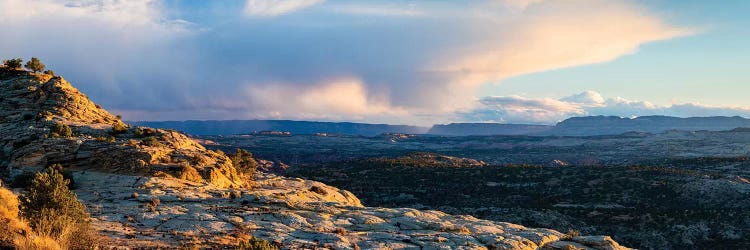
{"x": 516, "y": 4}
{"x": 377, "y": 10}
{"x": 270, "y": 8}
{"x": 587, "y": 98}
{"x": 334, "y": 99}
{"x": 516, "y": 109}
{"x": 553, "y": 35}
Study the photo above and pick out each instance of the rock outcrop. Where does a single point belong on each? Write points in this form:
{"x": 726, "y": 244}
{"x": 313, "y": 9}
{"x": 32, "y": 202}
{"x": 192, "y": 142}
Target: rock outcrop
{"x": 37, "y": 109}
{"x": 158, "y": 188}
{"x": 292, "y": 212}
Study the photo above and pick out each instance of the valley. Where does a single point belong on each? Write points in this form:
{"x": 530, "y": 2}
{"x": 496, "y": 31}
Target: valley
{"x": 672, "y": 190}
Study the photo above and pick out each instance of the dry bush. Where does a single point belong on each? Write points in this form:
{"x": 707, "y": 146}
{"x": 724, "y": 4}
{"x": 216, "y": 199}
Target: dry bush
{"x": 36, "y": 243}
{"x": 153, "y": 203}
{"x": 340, "y": 231}
{"x": 10, "y": 224}
{"x": 119, "y": 128}
{"x": 256, "y": 244}
{"x": 14, "y": 231}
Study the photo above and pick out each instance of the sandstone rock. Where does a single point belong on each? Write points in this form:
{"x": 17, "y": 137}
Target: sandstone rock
{"x": 32, "y": 105}
{"x": 283, "y": 210}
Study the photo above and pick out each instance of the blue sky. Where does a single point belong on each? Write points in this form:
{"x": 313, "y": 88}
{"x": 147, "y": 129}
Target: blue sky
{"x": 413, "y": 62}
{"x": 709, "y": 67}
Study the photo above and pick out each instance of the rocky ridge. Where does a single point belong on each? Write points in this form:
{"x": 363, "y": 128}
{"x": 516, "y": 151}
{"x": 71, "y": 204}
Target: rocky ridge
{"x": 159, "y": 188}
{"x": 35, "y": 106}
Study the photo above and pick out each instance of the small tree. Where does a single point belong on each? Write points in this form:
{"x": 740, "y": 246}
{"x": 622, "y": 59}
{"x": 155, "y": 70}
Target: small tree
{"x": 35, "y": 65}
{"x": 119, "y": 128}
{"x": 53, "y": 210}
{"x": 49, "y": 72}
{"x": 244, "y": 162}
{"x": 13, "y": 63}
{"x": 61, "y": 130}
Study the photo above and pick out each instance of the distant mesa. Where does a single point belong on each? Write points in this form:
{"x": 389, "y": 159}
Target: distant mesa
{"x": 611, "y": 125}
{"x": 234, "y": 127}
{"x": 576, "y": 126}
{"x": 599, "y": 125}
{"x": 272, "y": 132}
{"x": 462, "y": 129}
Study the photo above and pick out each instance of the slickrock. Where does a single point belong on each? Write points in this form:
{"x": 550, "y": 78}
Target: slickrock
{"x": 295, "y": 213}
{"x": 34, "y": 105}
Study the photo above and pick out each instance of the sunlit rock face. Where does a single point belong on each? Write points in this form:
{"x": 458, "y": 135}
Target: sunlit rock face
{"x": 294, "y": 213}
{"x": 34, "y": 108}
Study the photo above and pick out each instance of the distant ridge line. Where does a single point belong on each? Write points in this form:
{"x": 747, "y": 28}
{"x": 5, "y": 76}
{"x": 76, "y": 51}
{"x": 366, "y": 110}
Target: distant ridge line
{"x": 574, "y": 126}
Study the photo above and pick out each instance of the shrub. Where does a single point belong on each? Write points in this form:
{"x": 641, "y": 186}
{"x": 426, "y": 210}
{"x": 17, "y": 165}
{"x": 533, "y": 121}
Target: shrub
{"x": 571, "y": 234}
{"x": 35, "y": 65}
{"x": 141, "y": 132}
{"x": 23, "y": 180}
{"x": 151, "y": 141}
{"x": 10, "y": 224}
{"x": 108, "y": 138}
{"x": 119, "y": 128}
{"x": 153, "y": 203}
{"x": 244, "y": 162}
{"x": 340, "y": 231}
{"x": 13, "y": 63}
{"x": 49, "y": 72}
{"x": 61, "y": 130}
{"x": 54, "y": 211}
{"x": 256, "y": 244}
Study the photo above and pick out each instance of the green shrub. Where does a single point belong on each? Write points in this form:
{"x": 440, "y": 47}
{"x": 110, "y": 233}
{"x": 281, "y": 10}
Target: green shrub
{"x": 109, "y": 139}
{"x": 141, "y": 132}
{"x": 119, "y": 128}
{"x": 53, "y": 210}
{"x": 256, "y": 244}
{"x": 571, "y": 234}
{"x": 151, "y": 141}
{"x": 24, "y": 179}
{"x": 35, "y": 65}
{"x": 13, "y": 63}
{"x": 61, "y": 130}
{"x": 244, "y": 162}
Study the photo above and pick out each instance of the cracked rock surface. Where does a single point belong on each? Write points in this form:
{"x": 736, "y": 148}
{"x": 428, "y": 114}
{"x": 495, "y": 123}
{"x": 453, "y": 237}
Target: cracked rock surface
{"x": 292, "y": 212}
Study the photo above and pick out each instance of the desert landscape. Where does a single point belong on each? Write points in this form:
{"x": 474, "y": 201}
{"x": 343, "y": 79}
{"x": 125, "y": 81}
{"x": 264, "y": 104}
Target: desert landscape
{"x": 374, "y": 124}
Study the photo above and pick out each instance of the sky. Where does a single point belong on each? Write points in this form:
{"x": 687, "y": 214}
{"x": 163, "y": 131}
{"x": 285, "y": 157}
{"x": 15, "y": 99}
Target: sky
{"x": 392, "y": 61}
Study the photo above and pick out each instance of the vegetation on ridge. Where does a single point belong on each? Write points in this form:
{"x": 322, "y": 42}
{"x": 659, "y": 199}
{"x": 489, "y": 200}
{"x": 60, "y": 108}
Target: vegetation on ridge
{"x": 47, "y": 216}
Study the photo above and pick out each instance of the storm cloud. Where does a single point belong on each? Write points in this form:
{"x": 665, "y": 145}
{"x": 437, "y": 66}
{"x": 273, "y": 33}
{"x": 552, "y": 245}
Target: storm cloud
{"x": 382, "y": 61}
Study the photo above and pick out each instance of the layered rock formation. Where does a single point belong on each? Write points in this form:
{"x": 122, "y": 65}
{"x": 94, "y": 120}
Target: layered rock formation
{"x": 464, "y": 129}
{"x": 158, "y": 188}
{"x": 37, "y": 110}
{"x": 293, "y": 213}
